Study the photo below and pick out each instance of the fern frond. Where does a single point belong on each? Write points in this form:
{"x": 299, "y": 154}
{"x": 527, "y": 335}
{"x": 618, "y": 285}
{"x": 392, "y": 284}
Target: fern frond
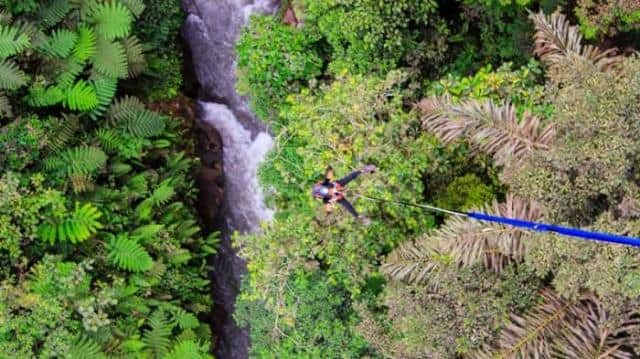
{"x": 135, "y": 55}
{"x": 6, "y": 18}
{"x": 86, "y": 45}
{"x": 11, "y": 77}
{"x": 82, "y": 160}
{"x": 12, "y": 41}
{"x": 157, "y": 337}
{"x": 43, "y": 97}
{"x": 556, "y": 39}
{"x": 72, "y": 68}
{"x": 492, "y": 129}
{"x": 63, "y": 133}
{"x": 81, "y": 183}
{"x": 81, "y": 97}
{"x": 85, "y": 348}
{"x": 110, "y": 58}
{"x": 5, "y": 106}
{"x": 82, "y": 224}
{"x": 30, "y": 29}
{"x": 163, "y": 193}
{"x": 60, "y": 43}
{"x": 124, "y": 108}
{"x": 112, "y": 20}
{"x": 532, "y": 335}
{"x": 109, "y": 140}
{"x": 147, "y": 232}
{"x": 105, "y": 89}
{"x": 187, "y": 349}
{"x": 144, "y": 124}
{"x": 53, "y": 12}
{"x": 130, "y": 115}
{"x": 597, "y": 335}
{"x": 128, "y": 254}
{"x": 135, "y": 6}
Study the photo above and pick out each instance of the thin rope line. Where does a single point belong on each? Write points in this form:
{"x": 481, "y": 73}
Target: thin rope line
{"x": 424, "y": 206}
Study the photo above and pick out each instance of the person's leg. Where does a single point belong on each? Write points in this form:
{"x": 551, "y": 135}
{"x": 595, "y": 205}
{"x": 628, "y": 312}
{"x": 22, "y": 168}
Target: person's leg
{"x": 348, "y": 178}
{"x": 347, "y": 205}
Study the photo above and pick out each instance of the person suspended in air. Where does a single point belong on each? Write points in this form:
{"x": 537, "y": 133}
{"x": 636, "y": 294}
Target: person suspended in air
{"x": 331, "y": 191}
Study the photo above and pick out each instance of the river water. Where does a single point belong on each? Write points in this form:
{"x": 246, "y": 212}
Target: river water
{"x": 211, "y": 30}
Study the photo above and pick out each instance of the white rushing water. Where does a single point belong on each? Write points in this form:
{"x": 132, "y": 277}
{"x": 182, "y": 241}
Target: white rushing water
{"x": 211, "y": 31}
{"x": 242, "y": 157}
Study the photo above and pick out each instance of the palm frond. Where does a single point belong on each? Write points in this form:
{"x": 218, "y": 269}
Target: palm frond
{"x": 555, "y": 40}
{"x": 12, "y": 41}
{"x": 472, "y": 242}
{"x": 492, "y": 129}
{"x": 597, "y": 335}
{"x": 111, "y": 20}
{"x": 532, "y": 335}
{"x": 11, "y": 77}
{"x": 412, "y": 262}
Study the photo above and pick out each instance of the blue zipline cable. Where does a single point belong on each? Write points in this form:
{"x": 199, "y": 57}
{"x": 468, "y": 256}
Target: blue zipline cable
{"x": 536, "y": 226}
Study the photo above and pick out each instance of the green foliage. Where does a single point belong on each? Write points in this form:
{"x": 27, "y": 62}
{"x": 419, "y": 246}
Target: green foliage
{"x": 128, "y": 254}
{"x": 274, "y": 60}
{"x": 314, "y": 322}
{"x": 11, "y": 77}
{"x": 159, "y": 27}
{"x": 112, "y": 20}
{"x": 53, "y": 12}
{"x": 85, "y": 348}
{"x": 607, "y": 18}
{"x": 12, "y": 42}
{"x": 369, "y": 35}
{"x": 79, "y": 226}
{"x": 80, "y": 282}
{"x": 158, "y": 336}
{"x": 86, "y": 46}
{"x": 81, "y": 96}
{"x": 110, "y": 58}
{"x": 463, "y": 193}
{"x": 60, "y": 43}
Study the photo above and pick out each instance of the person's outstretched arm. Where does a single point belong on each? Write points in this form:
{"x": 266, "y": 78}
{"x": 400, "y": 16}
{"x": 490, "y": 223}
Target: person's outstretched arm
{"x": 353, "y": 175}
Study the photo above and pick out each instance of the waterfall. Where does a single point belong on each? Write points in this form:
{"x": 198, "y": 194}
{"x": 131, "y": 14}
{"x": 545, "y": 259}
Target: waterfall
{"x": 211, "y": 31}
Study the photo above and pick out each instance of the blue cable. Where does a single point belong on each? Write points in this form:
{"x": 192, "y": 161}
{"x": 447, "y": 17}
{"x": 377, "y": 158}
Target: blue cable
{"x": 536, "y": 226}
{"x": 567, "y": 231}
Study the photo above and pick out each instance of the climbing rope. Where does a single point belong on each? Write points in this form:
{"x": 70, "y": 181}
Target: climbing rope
{"x": 536, "y": 226}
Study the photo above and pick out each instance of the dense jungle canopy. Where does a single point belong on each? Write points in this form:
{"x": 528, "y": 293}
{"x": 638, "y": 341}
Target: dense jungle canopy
{"x": 521, "y": 108}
